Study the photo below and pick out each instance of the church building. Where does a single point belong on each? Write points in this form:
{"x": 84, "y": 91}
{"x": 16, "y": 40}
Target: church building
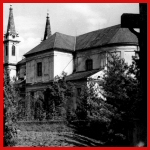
{"x": 80, "y": 57}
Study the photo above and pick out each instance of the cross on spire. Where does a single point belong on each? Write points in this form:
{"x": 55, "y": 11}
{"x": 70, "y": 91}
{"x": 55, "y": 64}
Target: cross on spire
{"x": 47, "y": 33}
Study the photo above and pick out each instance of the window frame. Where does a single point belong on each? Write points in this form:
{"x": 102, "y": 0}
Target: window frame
{"x": 39, "y": 69}
{"x": 13, "y": 50}
{"x": 6, "y": 50}
{"x": 89, "y": 64}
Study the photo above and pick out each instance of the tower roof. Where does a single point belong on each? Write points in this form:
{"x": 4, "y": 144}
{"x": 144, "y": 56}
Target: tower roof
{"x": 47, "y": 33}
{"x": 11, "y": 24}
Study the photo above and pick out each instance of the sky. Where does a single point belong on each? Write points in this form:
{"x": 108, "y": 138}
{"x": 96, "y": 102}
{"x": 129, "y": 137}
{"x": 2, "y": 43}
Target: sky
{"x": 71, "y": 19}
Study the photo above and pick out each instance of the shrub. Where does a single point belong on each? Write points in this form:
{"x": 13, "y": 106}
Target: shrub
{"x": 10, "y": 112}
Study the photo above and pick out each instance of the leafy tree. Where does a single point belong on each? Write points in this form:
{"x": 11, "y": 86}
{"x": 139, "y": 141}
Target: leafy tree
{"x": 121, "y": 87}
{"x": 10, "y": 112}
{"x": 57, "y": 93}
{"x": 122, "y": 90}
{"x": 82, "y": 104}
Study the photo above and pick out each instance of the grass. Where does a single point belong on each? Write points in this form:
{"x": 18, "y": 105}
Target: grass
{"x": 43, "y": 127}
{"x": 50, "y": 135}
{"x": 35, "y": 134}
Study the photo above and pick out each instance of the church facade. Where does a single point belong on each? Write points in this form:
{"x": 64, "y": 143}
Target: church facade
{"x": 80, "y": 57}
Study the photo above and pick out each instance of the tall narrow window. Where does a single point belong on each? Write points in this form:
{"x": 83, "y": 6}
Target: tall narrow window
{"x": 89, "y": 64}
{"x": 6, "y": 50}
{"x": 39, "y": 69}
{"x": 13, "y": 50}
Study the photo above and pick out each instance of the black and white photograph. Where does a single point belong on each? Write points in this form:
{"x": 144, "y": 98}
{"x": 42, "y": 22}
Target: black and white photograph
{"x": 75, "y": 74}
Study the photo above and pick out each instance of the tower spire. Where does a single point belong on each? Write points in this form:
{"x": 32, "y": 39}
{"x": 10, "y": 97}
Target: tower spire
{"x": 11, "y": 46}
{"x": 11, "y": 24}
{"x": 47, "y": 33}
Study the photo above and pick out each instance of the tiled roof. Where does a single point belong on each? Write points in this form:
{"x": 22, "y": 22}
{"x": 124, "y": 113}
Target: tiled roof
{"x": 63, "y": 41}
{"x": 57, "y": 40}
{"x": 23, "y": 61}
{"x": 81, "y": 75}
{"x": 114, "y": 34}
{"x": 111, "y": 35}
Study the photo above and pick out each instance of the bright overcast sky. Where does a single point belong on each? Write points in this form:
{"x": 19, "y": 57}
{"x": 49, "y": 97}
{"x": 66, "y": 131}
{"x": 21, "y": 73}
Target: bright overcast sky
{"x": 72, "y": 19}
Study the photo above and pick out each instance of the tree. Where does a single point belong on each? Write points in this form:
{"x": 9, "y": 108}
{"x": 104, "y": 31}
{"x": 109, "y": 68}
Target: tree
{"x": 57, "y": 93}
{"x": 121, "y": 87}
{"x": 122, "y": 91}
{"x": 81, "y": 111}
{"x": 10, "y": 112}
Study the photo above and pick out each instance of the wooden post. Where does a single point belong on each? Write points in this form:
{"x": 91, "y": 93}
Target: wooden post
{"x": 132, "y": 21}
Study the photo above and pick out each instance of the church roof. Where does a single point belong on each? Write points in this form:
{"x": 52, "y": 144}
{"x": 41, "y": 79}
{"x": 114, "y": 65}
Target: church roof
{"x": 23, "y": 61}
{"x": 56, "y": 41}
{"x": 111, "y": 35}
{"x": 81, "y": 75}
{"x": 103, "y": 37}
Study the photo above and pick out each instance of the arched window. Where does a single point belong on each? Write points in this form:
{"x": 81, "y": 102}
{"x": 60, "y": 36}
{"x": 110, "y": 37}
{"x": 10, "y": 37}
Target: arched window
{"x": 89, "y": 64}
{"x": 13, "y": 50}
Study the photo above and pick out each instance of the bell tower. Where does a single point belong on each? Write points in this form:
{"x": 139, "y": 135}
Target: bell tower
{"x": 47, "y": 32}
{"x": 11, "y": 45}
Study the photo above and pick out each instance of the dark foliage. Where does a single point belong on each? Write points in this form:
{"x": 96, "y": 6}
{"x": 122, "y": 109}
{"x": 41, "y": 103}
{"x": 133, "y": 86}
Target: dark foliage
{"x": 109, "y": 119}
{"x": 121, "y": 87}
{"x": 56, "y": 96}
{"x": 10, "y": 112}
{"x": 122, "y": 90}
